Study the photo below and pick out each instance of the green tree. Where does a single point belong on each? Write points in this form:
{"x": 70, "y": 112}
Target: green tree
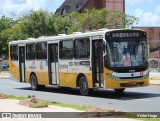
{"x": 67, "y": 24}
{"x": 96, "y": 19}
{"x": 5, "y": 24}
{"x": 38, "y": 23}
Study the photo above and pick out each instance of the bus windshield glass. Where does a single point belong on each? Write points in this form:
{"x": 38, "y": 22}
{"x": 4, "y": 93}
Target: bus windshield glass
{"x": 131, "y": 53}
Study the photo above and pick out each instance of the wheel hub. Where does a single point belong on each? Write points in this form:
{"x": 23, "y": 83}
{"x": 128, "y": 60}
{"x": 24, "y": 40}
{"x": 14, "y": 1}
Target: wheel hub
{"x": 84, "y": 86}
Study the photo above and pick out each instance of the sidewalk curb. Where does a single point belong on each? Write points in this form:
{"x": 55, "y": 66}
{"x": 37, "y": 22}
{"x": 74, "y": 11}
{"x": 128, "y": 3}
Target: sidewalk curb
{"x": 154, "y": 78}
{"x": 4, "y": 76}
{"x": 154, "y": 84}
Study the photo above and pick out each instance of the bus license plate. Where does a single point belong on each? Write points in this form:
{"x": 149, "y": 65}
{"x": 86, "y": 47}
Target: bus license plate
{"x": 132, "y": 83}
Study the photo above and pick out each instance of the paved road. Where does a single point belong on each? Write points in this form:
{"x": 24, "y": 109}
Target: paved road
{"x": 146, "y": 99}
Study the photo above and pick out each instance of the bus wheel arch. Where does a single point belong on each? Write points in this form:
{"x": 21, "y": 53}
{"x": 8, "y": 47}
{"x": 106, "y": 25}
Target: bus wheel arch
{"x": 34, "y": 82}
{"x": 82, "y": 83}
{"x": 78, "y": 78}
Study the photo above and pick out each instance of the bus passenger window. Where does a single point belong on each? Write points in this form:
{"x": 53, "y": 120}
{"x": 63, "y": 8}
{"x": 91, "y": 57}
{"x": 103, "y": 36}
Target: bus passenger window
{"x": 41, "y": 50}
{"x": 82, "y": 48}
{"x": 14, "y": 52}
{"x": 30, "y": 51}
{"x": 66, "y": 49}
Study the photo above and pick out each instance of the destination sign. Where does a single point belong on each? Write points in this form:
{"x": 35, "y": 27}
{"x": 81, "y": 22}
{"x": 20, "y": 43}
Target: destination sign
{"x": 122, "y": 35}
{"x": 126, "y": 34}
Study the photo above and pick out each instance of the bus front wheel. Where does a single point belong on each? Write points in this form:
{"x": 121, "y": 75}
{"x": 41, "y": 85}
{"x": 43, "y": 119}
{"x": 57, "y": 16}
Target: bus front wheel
{"x": 119, "y": 91}
{"x": 83, "y": 85}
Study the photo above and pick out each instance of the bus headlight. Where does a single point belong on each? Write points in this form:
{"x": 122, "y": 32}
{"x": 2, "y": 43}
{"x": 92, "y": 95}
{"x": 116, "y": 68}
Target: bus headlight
{"x": 113, "y": 77}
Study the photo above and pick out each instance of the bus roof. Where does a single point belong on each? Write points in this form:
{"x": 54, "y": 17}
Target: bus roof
{"x": 65, "y": 37}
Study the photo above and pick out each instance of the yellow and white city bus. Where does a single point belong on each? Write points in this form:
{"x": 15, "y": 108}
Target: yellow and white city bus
{"x": 103, "y": 59}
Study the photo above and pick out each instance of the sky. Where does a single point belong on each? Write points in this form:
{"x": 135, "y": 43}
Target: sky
{"x": 148, "y": 11}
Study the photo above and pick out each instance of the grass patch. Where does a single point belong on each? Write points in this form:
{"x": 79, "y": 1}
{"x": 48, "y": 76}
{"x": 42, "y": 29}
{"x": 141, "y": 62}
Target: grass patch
{"x": 3, "y": 96}
{"x": 13, "y": 97}
{"x": 38, "y": 105}
{"x": 71, "y": 106}
{"x": 16, "y": 97}
{"x": 77, "y": 107}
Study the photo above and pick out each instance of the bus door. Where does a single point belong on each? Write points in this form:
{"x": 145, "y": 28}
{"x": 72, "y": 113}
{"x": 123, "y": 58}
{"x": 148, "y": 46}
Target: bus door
{"x": 97, "y": 63}
{"x": 22, "y": 63}
{"x": 53, "y": 64}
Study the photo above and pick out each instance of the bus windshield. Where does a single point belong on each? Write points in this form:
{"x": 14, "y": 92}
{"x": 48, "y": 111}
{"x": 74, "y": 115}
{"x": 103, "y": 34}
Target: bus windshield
{"x": 131, "y": 53}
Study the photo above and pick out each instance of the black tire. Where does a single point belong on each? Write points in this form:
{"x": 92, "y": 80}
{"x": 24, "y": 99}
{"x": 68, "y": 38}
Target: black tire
{"x": 41, "y": 87}
{"x": 119, "y": 91}
{"x": 83, "y": 85}
{"x": 34, "y": 82}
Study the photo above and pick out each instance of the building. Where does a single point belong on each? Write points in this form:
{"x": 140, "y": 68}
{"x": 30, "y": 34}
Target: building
{"x": 70, "y": 6}
{"x": 153, "y": 36}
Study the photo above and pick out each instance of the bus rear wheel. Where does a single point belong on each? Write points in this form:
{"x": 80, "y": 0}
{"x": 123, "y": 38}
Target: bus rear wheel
{"x": 119, "y": 91}
{"x": 34, "y": 83}
{"x": 83, "y": 85}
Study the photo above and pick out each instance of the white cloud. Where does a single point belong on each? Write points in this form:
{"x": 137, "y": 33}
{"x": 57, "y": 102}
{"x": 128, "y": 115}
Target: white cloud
{"x": 21, "y": 6}
{"x": 139, "y": 1}
{"x": 147, "y": 18}
{"x": 18, "y": 1}
{"x": 158, "y": 9}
